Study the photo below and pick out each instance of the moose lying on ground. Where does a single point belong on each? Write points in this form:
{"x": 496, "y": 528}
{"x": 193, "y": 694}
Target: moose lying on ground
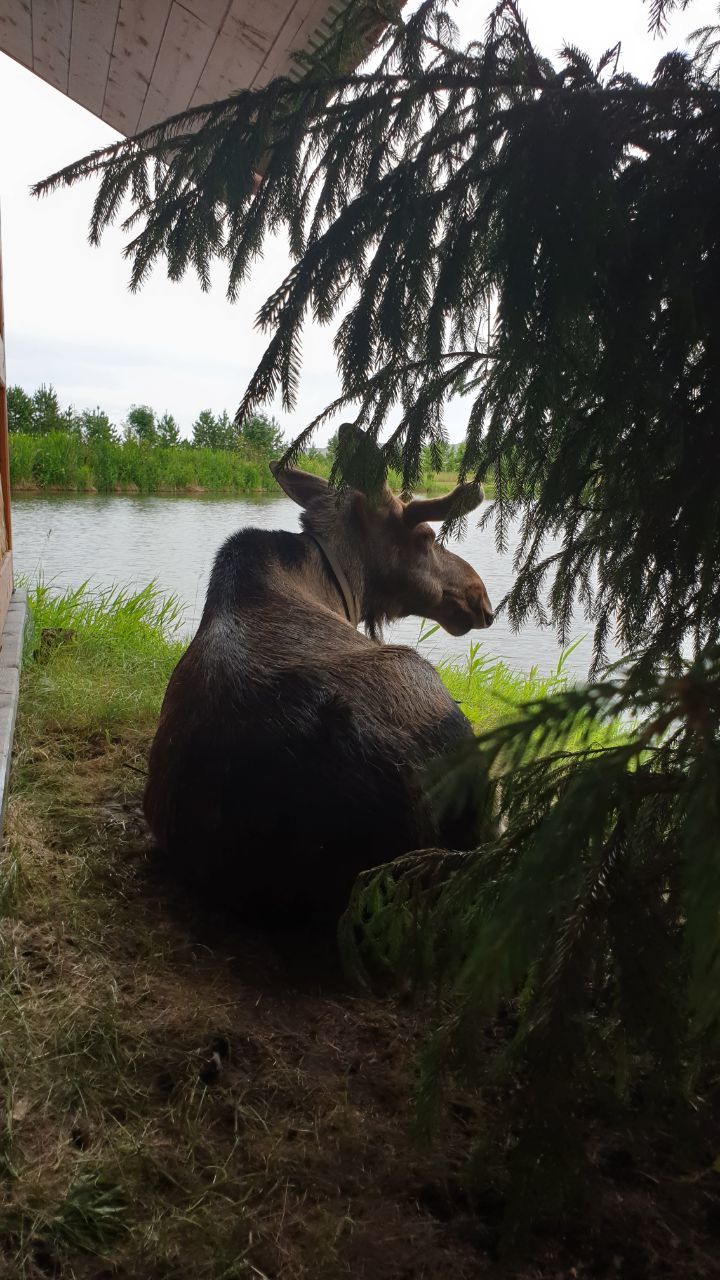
{"x": 291, "y": 748}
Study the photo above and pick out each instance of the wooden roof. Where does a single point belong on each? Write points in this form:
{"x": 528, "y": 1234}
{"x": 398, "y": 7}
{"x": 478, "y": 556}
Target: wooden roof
{"x": 135, "y": 62}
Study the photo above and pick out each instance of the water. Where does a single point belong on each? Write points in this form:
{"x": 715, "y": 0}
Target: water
{"x": 131, "y": 540}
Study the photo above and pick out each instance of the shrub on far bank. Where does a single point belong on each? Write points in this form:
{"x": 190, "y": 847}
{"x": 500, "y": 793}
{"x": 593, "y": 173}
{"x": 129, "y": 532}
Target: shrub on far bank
{"x": 59, "y": 460}
{"x": 104, "y": 464}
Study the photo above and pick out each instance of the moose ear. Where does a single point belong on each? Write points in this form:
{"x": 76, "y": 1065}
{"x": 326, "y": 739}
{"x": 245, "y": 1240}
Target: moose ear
{"x": 302, "y": 486}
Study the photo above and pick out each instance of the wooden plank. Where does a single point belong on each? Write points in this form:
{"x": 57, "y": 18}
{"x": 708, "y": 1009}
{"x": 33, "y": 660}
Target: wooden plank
{"x": 139, "y": 33}
{"x": 4, "y": 548}
{"x": 301, "y": 22}
{"x": 240, "y": 49}
{"x": 11, "y": 654}
{"x": 309, "y": 33}
{"x": 185, "y": 48}
{"x": 3, "y": 372}
{"x": 5, "y": 520}
{"x": 4, "y": 445}
{"x": 213, "y": 12}
{"x": 16, "y": 30}
{"x": 6, "y": 585}
{"x": 51, "y": 29}
{"x": 93, "y": 36}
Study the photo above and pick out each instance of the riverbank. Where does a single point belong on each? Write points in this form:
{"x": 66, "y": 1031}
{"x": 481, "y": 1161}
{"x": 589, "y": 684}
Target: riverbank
{"x": 185, "y": 1099}
{"x": 60, "y": 462}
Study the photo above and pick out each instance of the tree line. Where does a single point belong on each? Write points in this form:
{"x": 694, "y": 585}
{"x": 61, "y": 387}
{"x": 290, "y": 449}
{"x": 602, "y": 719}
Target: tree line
{"x": 259, "y": 436}
{"x": 40, "y": 414}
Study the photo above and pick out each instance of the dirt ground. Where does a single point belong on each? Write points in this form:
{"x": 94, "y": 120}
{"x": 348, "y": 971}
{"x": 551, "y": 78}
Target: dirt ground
{"x": 187, "y": 1100}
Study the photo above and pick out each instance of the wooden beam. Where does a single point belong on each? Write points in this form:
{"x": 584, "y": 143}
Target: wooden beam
{"x": 6, "y": 585}
{"x": 301, "y": 21}
{"x": 139, "y": 33}
{"x": 213, "y": 12}
{"x": 239, "y": 50}
{"x": 6, "y": 529}
{"x": 181, "y": 59}
{"x": 11, "y": 655}
{"x": 4, "y": 446}
{"x": 16, "y": 30}
{"x": 93, "y": 36}
{"x": 51, "y": 29}
{"x": 3, "y": 371}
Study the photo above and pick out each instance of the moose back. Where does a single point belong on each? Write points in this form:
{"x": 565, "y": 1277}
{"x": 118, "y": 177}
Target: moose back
{"x": 291, "y": 747}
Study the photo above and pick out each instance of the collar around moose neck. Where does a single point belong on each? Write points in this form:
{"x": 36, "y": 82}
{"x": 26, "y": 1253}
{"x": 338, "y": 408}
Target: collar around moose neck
{"x": 350, "y": 600}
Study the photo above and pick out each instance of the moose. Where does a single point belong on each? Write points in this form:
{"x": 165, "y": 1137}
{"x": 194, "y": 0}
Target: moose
{"x": 291, "y": 749}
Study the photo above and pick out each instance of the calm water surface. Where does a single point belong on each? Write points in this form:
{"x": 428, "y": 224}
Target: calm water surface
{"x": 131, "y": 540}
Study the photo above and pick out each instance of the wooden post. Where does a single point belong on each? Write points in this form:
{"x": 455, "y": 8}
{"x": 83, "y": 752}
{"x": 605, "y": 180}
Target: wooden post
{"x": 6, "y": 576}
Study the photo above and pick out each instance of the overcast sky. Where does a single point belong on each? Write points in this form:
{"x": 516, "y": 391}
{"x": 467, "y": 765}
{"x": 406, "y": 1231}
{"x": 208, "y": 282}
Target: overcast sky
{"x": 69, "y": 316}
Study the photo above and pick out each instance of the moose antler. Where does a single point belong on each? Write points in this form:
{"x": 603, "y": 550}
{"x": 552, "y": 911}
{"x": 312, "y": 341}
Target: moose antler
{"x": 461, "y": 500}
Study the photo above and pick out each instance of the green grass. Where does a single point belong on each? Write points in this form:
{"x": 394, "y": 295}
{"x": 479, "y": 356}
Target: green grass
{"x": 62, "y": 461}
{"x": 112, "y": 654}
{"x": 490, "y": 691}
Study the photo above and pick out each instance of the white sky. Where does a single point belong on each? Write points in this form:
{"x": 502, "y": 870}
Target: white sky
{"x": 70, "y": 318}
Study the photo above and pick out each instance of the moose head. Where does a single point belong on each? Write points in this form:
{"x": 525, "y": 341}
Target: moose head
{"x": 387, "y": 551}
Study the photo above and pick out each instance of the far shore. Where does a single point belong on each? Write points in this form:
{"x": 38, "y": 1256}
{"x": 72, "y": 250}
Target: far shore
{"x": 60, "y": 462}
{"x": 439, "y": 485}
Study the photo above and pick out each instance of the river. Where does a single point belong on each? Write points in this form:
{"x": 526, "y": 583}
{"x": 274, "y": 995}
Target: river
{"x": 68, "y": 539}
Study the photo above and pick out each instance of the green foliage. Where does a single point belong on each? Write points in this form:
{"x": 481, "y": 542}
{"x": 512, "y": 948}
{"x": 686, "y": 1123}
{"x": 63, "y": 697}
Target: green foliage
{"x": 94, "y": 426}
{"x": 168, "y": 431}
{"x": 210, "y": 432}
{"x": 19, "y": 410}
{"x": 488, "y": 691}
{"x": 593, "y": 915}
{"x": 46, "y": 414}
{"x": 22, "y": 452}
{"x": 332, "y": 447}
{"x": 122, "y": 646}
{"x": 56, "y": 460}
{"x": 140, "y": 424}
{"x": 443, "y": 457}
{"x": 262, "y": 436}
{"x": 95, "y": 459}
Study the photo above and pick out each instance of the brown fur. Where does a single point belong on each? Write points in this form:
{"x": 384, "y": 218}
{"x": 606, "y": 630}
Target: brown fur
{"x": 291, "y": 747}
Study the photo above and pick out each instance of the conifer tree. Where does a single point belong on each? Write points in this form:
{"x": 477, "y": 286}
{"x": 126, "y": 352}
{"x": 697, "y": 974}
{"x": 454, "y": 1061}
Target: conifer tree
{"x": 542, "y": 238}
{"x": 226, "y": 431}
{"x": 19, "y": 410}
{"x": 168, "y": 431}
{"x": 46, "y": 413}
{"x": 94, "y": 425}
{"x": 205, "y": 430}
{"x": 262, "y": 435}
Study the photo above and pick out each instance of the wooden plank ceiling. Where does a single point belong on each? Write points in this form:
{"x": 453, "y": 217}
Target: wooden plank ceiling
{"x": 135, "y": 62}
